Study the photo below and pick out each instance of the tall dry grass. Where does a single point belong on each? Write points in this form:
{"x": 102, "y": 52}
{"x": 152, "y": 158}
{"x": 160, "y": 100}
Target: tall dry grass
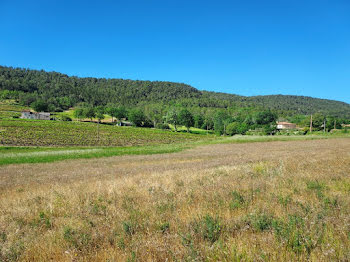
{"x": 287, "y": 208}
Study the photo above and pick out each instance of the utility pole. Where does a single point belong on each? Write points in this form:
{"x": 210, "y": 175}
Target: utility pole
{"x": 324, "y": 125}
{"x": 335, "y": 124}
{"x": 98, "y": 133}
{"x": 311, "y": 124}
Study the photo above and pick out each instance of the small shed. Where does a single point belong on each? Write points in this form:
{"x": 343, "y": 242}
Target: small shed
{"x": 36, "y": 116}
{"x": 286, "y": 126}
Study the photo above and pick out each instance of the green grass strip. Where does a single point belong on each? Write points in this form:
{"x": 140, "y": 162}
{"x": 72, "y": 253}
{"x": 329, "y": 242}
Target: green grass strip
{"x": 20, "y": 155}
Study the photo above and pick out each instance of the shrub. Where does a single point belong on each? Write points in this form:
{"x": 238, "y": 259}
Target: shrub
{"x": 294, "y": 234}
{"x": 237, "y": 200}
{"x": 129, "y": 228}
{"x": 162, "y": 126}
{"x": 211, "y": 228}
{"x": 66, "y": 118}
{"x": 237, "y": 128}
{"x": 164, "y": 227}
{"x": 39, "y": 105}
{"x": 260, "y": 222}
{"x": 208, "y": 228}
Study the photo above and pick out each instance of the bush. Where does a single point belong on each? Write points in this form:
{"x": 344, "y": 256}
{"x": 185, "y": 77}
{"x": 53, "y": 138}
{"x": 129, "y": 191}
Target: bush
{"x": 63, "y": 118}
{"x": 39, "y": 105}
{"x": 162, "y": 126}
{"x": 294, "y": 235}
{"x": 66, "y": 118}
{"x": 236, "y": 128}
{"x": 208, "y": 227}
{"x": 237, "y": 200}
{"x": 260, "y": 222}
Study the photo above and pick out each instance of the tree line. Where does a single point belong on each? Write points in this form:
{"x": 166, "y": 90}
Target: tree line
{"x": 220, "y": 121}
{"x": 61, "y": 92}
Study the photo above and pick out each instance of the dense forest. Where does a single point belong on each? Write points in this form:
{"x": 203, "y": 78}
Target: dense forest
{"x": 62, "y": 92}
{"x": 158, "y": 104}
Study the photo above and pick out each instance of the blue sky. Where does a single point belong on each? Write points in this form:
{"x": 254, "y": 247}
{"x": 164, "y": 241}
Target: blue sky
{"x": 246, "y": 47}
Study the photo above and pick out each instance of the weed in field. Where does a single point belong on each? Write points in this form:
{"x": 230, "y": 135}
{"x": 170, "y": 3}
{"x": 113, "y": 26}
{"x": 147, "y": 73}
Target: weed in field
{"x": 129, "y": 228}
{"x": 316, "y": 186}
{"x": 237, "y": 200}
{"x": 164, "y": 227}
{"x": 284, "y": 200}
{"x": 43, "y": 220}
{"x": 259, "y": 221}
{"x": 3, "y": 236}
{"x": 180, "y": 183}
{"x": 132, "y": 257}
{"x": 294, "y": 234}
{"x": 208, "y": 228}
{"x": 330, "y": 203}
{"x": 98, "y": 207}
{"x": 14, "y": 253}
{"x": 76, "y": 239}
{"x": 121, "y": 243}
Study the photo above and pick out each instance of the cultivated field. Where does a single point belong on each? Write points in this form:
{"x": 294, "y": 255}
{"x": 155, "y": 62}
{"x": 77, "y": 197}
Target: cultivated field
{"x": 264, "y": 201}
{"x": 60, "y": 133}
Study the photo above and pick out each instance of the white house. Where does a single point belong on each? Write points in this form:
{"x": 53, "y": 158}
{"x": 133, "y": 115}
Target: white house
{"x": 286, "y": 125}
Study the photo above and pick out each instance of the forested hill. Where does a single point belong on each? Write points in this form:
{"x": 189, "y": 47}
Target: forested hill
{"x": 302, "y": 104}
{"x": 288, "y": 104}
{"x": 64, "y": 91}
{"x": 95, "y": 91}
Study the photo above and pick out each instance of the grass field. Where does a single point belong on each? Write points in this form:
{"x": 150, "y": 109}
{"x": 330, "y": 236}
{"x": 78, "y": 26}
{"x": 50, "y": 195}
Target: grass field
{"x": 36, "y": 154}
{"x": 275, "y": 201}
{"x": 19, "y": 155}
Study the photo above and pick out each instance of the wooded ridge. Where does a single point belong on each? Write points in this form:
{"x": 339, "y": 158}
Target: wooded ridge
{"x": 63, "y": 91}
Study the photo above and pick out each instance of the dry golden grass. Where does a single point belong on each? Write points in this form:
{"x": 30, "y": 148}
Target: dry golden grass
{"x": 276, "y": 201}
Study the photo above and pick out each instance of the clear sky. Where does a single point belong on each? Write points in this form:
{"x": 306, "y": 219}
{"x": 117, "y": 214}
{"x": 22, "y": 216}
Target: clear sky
{"x": 298, "y": 47}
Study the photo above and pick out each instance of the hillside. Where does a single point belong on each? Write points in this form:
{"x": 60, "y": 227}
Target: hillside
{"x": 287, "y": 104}
{"x": 64, "y": 91}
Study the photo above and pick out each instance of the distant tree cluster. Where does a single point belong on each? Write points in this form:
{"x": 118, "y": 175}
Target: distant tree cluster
{"x": 221, "y": 121}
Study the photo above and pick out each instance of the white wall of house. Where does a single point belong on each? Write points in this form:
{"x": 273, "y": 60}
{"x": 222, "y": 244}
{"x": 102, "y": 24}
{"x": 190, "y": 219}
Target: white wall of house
{"x": 38, "y": 116}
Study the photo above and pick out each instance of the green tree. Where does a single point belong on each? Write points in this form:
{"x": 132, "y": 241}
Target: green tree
{"x": 154, "y": 113}
{"x": 221, "y": 120}
{"x": 186, "y": 118}
{"x": 79, "y": 113}
{"x": 198, "y": 121}
{"x": 100, "y": 113}
{"x": 236, "y": 128}
{"x": 172, "y": 117}
{"x": 89, "y": 112}
{"x": 121, "y": 112}
{"x": 209, "y": 119}
{"x": 39, "y": 105}
{"x": 137, "y": 117}
{"x": 317, "y": 121}
{"x": 112, "y": 110}
{"x": 265, "y": 117}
